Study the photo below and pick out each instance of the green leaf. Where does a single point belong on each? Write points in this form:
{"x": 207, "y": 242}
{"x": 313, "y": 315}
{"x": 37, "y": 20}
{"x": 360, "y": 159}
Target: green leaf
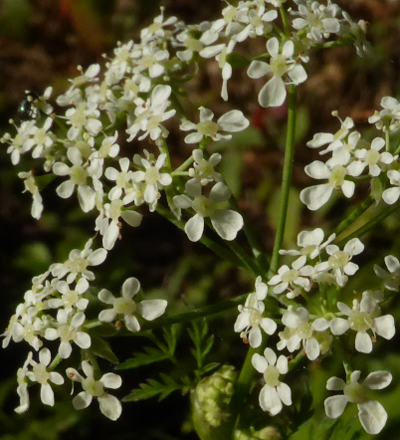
{"x": 149, "y": 355}
{"x": 152, "y": 388}
{"x": 237, "y": 61}
{"x": 102, "y": 348}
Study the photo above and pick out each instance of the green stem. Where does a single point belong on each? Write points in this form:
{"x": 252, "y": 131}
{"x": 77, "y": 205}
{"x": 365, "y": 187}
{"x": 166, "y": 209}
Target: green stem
{"x": 184, "y": 166}
{"x": 284, "y": 21}
{"x": 164, "y": 149}
{"x": 286, "y": 178}
{"x": 354, "y": 215}
{"x": 244, "y": 381}
{"x": 372, "y": 223}
{"x": 387, "y": 138}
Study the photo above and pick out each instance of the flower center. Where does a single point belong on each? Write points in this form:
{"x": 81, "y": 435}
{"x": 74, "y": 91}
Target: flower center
{"x": 41, "y": 374}
{"x": 305, "y": 330}
{"x": 373, "y": 157}
{"x": 203, "y": 206}
{"x": 93, "y": 387}
{"x": 360, "y": 321}
{"x": 355, "y": 393}
{"x": 338, "y": 259}
{"x": 208, "y": 128}
{"x": 271, "y": 376}
{"x": 152, "y": 175}
{"x": 77, "y": 265}
{"x": 124, "y": 306}
{"x": 290, "y": 276}
{"x": 78, "y": 175}
{"x": 278, "y": 65}
{"x": 337, "y": 176}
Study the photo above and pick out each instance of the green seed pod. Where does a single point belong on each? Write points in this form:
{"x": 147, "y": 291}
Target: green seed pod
{"x": 210, "y": 400}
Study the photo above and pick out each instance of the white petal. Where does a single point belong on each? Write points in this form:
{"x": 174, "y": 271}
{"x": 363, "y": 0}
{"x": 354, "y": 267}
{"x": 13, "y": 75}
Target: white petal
{"x": 285, "y": 393}
{"x": 65, "y": 189}
{"x": 377, "y": 380}
{"x": 110, "y": 406}
{"x": 348, "y": 188}
{"x": 273, "y": 46}
{"x": 269, "y": 400}
{"x": 86, "y": 197}
{"x": 110, "y": 235}
{"x": 259, "y": 363}
{"x": 268, "y": 325}
{"x": 160, "y": 94}
{"x": 297, "y": 74}
{"x": 133, "y": 218}
{"x": 47, "y": 394}
{"x": 391, "y": 195}
{"x": 354, "y": 246}
{"x": 311, "y": 347}
{"x": 106, "y": 296}
{"x": 107, "y": 315}
{"x": 316, "y": 196}
{"x": 111, "y": 380}
{"x": 82, "y": 340}
{"x": 194, "y": 227}
{"x": 339, "y": 326}
{"x": 257, "y": 69}
{"x": 255, "y": 337}
{"x": 131, "y": 323}
{"x": 152, "y": 308}
{"x": 363, "y": 342}
{"x": 227, "y": 223}
{"x": 82, "y": 400}
{"x": 97, "y": 257}
{"x": 44, "y": 356}
{"x": 56, "y": 378}
{"x": 273, "y": 93}
{"x": 317, "y": 170}
{"x": 335, "y": 384}
{"x": 384, "y": 326}
{"x": 372, "y": 416}
{"x": 282, "y": 364}
{"x": 233, "y": 121}
{"x": 334, "y": 406}
{"x": 130, "y": 287}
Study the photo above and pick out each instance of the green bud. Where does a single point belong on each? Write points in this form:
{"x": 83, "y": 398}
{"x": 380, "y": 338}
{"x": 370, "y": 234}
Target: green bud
{"x": 210, "y": 404}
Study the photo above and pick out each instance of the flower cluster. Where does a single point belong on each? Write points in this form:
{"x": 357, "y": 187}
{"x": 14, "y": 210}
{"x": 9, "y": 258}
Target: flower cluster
{"x": 351, "y": 156}
{"x": 54, "y": 309}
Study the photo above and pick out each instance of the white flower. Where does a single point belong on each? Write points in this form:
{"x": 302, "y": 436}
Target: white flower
{"x": 78, "y": 175}
{"x": 40, "y": 374}
{"x": 226, "y": 222}
{"x": 311, "y": 243}
{"x": 335, "y": 171}
{"x": 41, "y": 139}
{"x": 84, "y": 116}
{"x": 274, "y": 392}
{"x": 292, "y": 277}
{"x": 389, "y": 116}
{"x": 220, "y": 52}
{"x": 152, "y": 177}
{"x": 22, "y": 388}
{"x": 126, "y": 308}
{"x": 157, "y": 29}
{"x": 391, "y": 195}
{"x": 150, "y": 59}
{"x": 364, "y": 316}
{"x": 251, "y": 318}
{"x": 319, "y": 20}
{"x": 392, "y": 278}
{"x": 109, "y": 405}
{"x": 21, "y": 142}
{"x": 373, "y": 158}
{"x": 122, "y": 179}
{"x": 30, "y": 186}
{"x": 339, "y": 261}
{"x": 78, "y": 262}
{"x": 70, "y": 298}
{"x": 108, "y": 221}
{"x": 203, "y": 169}
{"x": 333, "y": 141}
{"x": 69, "y": 329}
{"x": 150, "y": 114}
{"x": 273, "y": 93}
{"x": 301, "y": 330}
{"x": 371, "y": 413}
{"x": 231, "y": 122}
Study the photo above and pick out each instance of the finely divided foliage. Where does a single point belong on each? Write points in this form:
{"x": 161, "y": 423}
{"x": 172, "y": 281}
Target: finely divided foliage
{"x": 134, "y": 98}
